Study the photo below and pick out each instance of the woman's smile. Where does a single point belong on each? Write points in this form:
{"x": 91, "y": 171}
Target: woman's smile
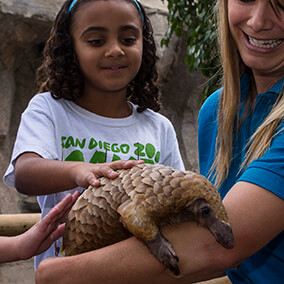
{"x": 262, "y": 45}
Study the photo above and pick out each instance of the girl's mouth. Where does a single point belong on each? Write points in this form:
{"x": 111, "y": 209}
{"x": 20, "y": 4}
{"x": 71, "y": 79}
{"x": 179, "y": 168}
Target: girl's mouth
{"x": 114, "y": 68}
{"x": 271, "y": 43}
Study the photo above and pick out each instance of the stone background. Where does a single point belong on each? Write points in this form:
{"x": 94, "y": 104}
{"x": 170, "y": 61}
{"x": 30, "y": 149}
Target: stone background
{"x": 25, "y": 26}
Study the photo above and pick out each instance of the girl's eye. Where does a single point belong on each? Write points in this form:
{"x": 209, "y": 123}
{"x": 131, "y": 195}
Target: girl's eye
{"x": 96, "y": 42}
{"x": 129, "y": 41}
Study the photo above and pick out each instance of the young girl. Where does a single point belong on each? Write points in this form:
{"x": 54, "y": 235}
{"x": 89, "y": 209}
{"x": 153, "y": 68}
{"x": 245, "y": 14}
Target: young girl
{"x": 39, "y": 237}
{"x": 241, "y": 149}
{"x": 98, "y": 104}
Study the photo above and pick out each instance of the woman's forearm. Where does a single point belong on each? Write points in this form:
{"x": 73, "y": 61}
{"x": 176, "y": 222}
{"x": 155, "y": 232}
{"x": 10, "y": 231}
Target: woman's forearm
{"x": 130, "y": 261}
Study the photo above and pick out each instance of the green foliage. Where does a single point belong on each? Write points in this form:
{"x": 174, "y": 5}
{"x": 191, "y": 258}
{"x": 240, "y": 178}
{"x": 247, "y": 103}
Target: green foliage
{"x": 195, "y": 20}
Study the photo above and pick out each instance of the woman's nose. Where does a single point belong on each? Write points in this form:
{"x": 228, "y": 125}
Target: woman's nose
{"x": 114, "y": 50}
{"x": 261, "y": 18}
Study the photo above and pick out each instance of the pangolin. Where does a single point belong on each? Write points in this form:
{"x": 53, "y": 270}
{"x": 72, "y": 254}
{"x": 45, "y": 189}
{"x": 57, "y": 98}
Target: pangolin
{"x": 139, "y": 202}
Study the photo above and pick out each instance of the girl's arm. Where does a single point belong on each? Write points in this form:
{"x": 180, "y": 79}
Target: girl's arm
{"x": 35, "y": 175}
{"x": 40, "y": 237}
{"x": 256, "y": 216}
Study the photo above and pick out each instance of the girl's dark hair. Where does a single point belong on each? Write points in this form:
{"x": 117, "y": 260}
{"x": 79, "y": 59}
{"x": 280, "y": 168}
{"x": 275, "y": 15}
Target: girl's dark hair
{"x": 60, "y": 72}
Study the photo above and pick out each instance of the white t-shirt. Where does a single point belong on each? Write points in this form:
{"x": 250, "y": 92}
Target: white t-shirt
{"x": 61, "y": 130}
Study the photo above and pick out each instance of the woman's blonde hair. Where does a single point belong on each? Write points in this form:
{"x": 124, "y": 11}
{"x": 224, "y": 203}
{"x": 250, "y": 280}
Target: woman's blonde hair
{"x": 228, "y": 120}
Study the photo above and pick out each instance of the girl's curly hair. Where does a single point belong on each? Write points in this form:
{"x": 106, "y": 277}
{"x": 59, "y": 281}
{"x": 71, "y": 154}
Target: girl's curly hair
{"x": 60, "y": 72}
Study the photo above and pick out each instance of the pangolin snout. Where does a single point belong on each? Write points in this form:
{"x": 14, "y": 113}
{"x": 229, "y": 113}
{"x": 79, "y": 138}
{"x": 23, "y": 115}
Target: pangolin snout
{"x": 224, "y": 234}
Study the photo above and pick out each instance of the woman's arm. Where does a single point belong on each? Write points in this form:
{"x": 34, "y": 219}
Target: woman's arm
{"x": 251, "y": 210}
{"x": 40, "y": 237}
{"x": 35, "y": 175}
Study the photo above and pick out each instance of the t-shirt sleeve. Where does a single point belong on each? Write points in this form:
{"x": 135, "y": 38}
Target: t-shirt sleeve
{"x": 268, "y": 171}
{"x": 173, "y": 157}
{"x": 35, "y": 134}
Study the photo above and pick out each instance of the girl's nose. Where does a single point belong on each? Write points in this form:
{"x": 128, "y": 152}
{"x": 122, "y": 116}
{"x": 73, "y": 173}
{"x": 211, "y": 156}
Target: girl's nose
{"x": 261, "y": 18}
{"x": 114, "y": 50}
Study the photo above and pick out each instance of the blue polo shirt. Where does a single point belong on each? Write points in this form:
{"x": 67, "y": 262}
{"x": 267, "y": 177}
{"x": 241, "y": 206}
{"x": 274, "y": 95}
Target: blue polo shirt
{"x": 267, "y": 265}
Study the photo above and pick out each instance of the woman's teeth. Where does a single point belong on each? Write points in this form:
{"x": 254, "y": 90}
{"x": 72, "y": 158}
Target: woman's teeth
{"x": 264, "y": 43}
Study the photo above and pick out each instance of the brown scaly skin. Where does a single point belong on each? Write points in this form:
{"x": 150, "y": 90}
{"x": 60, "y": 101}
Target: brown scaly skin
{"x": 139, "y": 201}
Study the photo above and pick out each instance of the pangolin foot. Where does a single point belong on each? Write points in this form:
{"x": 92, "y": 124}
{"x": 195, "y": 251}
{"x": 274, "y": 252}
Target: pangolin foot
{"x": 164, "y": 251}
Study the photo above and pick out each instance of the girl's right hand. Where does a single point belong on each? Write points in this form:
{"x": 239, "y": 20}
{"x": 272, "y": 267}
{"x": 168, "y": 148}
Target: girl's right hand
{"x": 35, "y": 175}
{"x": 85, "y": 174}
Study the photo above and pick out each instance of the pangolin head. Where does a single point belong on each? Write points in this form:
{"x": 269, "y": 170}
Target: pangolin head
{"x": 199, "y": 186}
{"x": 205, "y": 203}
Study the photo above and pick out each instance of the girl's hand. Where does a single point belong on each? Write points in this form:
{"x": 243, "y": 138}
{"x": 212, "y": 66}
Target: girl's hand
{"x": 40, "y": 237}
{"x": 85, "y": 174}
{"x": 35, "y": 175}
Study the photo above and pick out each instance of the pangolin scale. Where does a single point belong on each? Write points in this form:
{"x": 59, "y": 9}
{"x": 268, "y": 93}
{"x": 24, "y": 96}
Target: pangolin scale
{"x": 139, "y": 201}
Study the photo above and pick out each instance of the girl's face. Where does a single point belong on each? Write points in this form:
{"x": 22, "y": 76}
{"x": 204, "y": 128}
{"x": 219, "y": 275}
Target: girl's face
{"x": 259, "y": 34}
{"x": 108, "y": 40}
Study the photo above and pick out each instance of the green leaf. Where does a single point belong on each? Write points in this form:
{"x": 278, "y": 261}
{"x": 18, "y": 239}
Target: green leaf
{"x": 195, "y": 20}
